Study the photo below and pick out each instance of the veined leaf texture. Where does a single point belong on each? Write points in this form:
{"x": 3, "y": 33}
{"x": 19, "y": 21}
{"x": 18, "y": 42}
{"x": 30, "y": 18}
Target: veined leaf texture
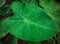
{"x": 30, "y": 22}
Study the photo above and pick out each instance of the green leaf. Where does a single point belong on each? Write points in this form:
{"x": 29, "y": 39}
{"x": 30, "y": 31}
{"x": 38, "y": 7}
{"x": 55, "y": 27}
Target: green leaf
{"x": 2, "y": 2}
{"x": 30, "y": 22}
{"x": 3, "y": 30}
{"x": 52, "y": 8}
{"x": 6, "y": 10}
{"x": 3, "y": 11}
{"x": 29, "y": 1}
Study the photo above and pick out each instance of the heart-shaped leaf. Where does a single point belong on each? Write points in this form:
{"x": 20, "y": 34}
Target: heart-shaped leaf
{"x": 2, "y": 2}
{"x": 30, "y": 22}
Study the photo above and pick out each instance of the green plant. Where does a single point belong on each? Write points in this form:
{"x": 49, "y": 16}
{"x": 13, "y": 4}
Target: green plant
{"x": 31, "y": 21}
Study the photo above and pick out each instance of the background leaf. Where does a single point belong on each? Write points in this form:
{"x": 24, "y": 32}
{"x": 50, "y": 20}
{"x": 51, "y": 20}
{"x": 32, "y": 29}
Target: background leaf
{"x": 52, "y": 8}
{"x": 4, "y": 10}
{"x": 3, "y": 30}
{"x": 2, "y": 2}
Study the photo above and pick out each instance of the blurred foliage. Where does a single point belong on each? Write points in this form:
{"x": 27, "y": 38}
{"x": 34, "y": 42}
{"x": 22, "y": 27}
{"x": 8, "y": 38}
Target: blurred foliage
{"x": 4, "y": 10}
{"x": 2, "y": 2}
{"x": 9, "y": 39}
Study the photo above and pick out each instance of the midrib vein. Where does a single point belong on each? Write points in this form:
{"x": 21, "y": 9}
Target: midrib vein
{"x": 30, "y": 22}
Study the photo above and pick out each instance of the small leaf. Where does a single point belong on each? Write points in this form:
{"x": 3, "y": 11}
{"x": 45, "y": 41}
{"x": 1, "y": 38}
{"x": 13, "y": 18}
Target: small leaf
{"x": 30, "y": 23}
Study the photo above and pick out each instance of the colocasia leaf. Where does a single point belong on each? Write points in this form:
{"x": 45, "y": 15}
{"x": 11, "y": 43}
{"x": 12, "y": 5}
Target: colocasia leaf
{"x": 30, "y": 22}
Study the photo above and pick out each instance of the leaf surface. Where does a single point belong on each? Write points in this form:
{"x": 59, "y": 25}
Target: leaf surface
{"x": 30, "y": 23}
{"x": 3, "y": 30}
{"x": 52, "y": 8}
